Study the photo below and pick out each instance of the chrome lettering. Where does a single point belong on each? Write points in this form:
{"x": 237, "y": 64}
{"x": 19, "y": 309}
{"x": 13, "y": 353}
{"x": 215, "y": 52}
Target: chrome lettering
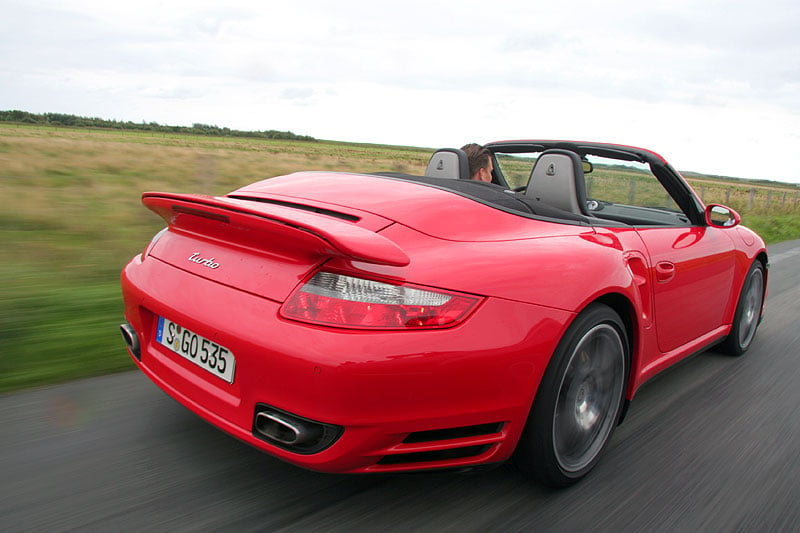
{"x": 195, "y": 258}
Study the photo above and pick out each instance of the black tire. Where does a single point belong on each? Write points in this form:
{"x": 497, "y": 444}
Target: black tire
{"x": 748, "y": 312}
{"x": 579, "y": 401}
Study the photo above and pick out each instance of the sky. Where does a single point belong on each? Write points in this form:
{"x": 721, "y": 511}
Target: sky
{"x": 713, "y": 86}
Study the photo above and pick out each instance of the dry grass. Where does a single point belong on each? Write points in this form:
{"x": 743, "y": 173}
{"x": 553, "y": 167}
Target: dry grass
{"x": 73, "y": 195}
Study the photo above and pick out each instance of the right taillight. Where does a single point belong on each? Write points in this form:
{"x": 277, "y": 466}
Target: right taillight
{"x": 346, "y": 301}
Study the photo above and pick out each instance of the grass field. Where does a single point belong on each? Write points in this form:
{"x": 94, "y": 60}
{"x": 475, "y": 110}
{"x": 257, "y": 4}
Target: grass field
{"x": 72, "y": 219}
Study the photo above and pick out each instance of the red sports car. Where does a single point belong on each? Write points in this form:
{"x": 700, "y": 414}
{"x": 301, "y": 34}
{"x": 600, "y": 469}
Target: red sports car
{"x": 386, "y": 322}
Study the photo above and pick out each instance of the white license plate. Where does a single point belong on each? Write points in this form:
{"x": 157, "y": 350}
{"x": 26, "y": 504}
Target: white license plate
{"x": 206, "y": 354}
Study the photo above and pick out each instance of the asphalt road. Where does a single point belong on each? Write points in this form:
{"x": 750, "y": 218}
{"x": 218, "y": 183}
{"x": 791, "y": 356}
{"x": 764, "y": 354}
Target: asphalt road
{"x": 711, "y": 445}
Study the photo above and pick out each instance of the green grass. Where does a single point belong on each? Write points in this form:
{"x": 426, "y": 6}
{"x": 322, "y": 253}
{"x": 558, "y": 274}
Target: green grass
{"x": 54, "y": 333}
{"x": 72, "y": 218}
{"x": 777, "y": 227}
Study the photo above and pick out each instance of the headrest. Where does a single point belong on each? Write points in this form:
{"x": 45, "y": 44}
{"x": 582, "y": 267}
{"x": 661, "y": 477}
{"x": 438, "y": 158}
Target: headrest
{"x": 448, "y": 163}
{"x": 557, "y": 180}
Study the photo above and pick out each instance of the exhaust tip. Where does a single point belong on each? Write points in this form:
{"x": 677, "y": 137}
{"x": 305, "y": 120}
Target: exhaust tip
{"x": 292, "y": 432}
{"x": 283, "y": 429}
{"x": 131, "y": 339}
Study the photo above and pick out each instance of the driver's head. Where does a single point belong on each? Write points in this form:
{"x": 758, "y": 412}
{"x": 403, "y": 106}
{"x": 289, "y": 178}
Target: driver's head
{"x": 480, "y": 162}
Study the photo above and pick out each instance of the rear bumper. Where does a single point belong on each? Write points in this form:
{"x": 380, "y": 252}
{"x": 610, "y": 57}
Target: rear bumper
{"x": 405, "y": 400}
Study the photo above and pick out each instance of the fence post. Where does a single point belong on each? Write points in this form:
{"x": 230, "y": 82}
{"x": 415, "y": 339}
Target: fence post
{"x": 769, "y": 197}
{"x": 783, "y": 200}
{"x": 728, "y": 196}
{"x": 703, "y": 193}
{"x": 752, "y": 197}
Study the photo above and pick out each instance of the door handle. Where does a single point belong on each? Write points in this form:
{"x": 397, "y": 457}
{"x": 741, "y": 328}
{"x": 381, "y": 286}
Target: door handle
{"x": 665, "y": 271}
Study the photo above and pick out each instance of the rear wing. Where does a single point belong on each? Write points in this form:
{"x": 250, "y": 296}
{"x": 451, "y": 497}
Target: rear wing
{"x": 275, "y": 227}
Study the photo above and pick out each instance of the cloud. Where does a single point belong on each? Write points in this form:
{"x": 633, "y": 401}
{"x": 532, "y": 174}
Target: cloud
{"x": 674, "y": 72}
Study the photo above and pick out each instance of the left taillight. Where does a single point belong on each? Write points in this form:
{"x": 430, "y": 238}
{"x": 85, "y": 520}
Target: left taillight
{"x": 346, "y": 301}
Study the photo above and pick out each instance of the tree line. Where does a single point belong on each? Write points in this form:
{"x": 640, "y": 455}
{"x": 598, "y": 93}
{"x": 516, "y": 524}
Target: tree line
{"x": 74, "y": 121}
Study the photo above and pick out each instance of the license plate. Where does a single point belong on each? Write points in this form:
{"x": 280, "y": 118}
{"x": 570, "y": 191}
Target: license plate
{"x": 206, "y": 354}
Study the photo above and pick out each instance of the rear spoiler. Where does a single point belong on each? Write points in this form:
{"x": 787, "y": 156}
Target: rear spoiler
{"x": 277, "y": 225}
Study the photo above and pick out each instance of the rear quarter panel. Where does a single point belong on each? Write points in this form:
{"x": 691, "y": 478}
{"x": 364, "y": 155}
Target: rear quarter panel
{"x": 563, "y": 272}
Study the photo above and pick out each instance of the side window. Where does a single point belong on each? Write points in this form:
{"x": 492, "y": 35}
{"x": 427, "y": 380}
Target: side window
{"x": 628, "y": 192}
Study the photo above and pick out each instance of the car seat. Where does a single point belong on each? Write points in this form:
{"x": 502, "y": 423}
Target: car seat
{"x": 448, "y": 163}
{"x": 557, "y": 180}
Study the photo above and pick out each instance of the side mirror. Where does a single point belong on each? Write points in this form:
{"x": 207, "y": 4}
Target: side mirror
{"x": 587, "y": 166}
{"x": 720, "y": 216}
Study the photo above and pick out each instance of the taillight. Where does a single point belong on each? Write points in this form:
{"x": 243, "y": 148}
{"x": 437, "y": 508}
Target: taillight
{"x": 346, "y": 301}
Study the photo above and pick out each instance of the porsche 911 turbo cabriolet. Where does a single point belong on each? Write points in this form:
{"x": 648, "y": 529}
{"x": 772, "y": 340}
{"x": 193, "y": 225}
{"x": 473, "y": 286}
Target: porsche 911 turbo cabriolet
{"x": 388, "y": 322}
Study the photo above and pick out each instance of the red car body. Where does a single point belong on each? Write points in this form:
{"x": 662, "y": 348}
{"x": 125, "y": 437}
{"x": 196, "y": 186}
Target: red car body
{"x": 452, "y": 393}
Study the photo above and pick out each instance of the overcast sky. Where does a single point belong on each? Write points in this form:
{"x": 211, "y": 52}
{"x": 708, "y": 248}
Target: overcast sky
{"x": 714, "y": 86}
